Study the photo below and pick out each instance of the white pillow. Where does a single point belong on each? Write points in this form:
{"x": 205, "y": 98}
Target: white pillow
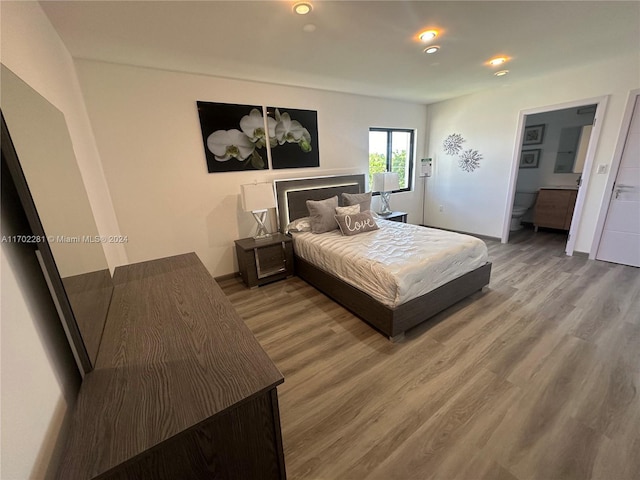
{"x": 348, "y": 210}
{"x": 299, "y": 225}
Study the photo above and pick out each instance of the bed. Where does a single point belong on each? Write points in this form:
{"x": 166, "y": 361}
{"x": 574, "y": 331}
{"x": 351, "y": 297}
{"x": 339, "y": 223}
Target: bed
{"x": 366, "y": 274}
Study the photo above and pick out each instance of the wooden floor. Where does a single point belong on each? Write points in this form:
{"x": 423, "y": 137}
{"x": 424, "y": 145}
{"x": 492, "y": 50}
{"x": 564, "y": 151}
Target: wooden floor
{"x": 537, "y": 377}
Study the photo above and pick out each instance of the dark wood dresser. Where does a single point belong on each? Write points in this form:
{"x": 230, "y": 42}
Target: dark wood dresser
{"x": 181, "y": 388}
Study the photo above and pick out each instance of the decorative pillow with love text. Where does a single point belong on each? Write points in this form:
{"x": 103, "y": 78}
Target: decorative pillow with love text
{"x": 356, "y": 223}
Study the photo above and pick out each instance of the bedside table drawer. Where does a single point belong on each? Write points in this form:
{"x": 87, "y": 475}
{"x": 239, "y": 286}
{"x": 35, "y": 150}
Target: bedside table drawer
{"x": 270, "y": 260}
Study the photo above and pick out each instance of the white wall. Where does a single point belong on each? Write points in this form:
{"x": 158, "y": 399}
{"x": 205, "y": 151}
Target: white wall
{"x": 38, "y": 381}
{"x": 476, "y": 202}
{"x": 148, "y": 134}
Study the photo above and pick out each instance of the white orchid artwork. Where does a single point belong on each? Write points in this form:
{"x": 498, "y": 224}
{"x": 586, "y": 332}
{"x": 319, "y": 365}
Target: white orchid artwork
{"x": 228, "y": 144}
{"x": 253, "y": 127}
{"x": 228, "y": 148}
{"x": 296, "y": 136}
{"x": 291, "y": 131}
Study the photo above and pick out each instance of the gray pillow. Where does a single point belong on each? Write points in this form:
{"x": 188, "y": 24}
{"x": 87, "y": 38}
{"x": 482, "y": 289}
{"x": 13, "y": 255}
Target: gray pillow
{"x": 364, "y": 199}
{"x": 356, "y": 223}
{"x": 322, "y": 214}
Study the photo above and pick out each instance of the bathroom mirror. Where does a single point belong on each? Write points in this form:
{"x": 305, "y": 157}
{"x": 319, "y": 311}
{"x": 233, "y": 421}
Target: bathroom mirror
{"x": 567, "y": 150}
{"x": 47, "y": 175}
{"x": 574, "y": 138}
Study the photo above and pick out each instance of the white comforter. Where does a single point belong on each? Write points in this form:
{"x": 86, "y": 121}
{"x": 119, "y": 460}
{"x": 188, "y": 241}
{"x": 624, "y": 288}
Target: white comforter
{"x": 396, "y": 263}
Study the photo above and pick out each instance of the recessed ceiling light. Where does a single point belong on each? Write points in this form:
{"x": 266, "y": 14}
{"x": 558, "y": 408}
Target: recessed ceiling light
{"x": 501, "y": 73}
{"x": 309, "y": 27}
{"x": 302, "y": 8}
{"x": 428, "y": 35}
{"x": 432, "y": 49}
{"x": 496, "y": 61}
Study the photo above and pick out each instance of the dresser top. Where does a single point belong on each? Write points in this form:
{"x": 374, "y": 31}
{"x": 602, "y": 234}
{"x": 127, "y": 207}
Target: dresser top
{"x": 174, "y": 353}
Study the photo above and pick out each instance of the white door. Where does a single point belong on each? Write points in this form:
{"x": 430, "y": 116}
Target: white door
{"x": 620, "y": 242}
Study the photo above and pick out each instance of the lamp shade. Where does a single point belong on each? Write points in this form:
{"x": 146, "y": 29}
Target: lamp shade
{"x": 257, "y": 196}
{"x": 386, "y": 182}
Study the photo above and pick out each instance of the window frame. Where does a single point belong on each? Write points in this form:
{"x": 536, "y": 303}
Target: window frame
{"x": 389, "y": 154}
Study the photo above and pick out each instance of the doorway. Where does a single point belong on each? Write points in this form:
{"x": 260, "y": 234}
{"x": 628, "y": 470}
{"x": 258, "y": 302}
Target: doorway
{"x": 553, "y": 155}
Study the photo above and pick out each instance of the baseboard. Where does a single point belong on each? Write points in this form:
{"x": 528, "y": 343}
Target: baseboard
{"x": 228, "y": 276}
{"x": 580, "y": 254}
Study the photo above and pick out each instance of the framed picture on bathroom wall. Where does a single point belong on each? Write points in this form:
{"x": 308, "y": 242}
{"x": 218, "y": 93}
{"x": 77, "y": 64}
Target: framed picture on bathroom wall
{"x": 533, "y": 135}
{"x": 530, "y": 158}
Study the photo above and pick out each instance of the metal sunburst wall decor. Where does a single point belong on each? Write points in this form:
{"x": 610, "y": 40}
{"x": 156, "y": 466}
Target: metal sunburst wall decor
{"x": 469, "y": 159}
{"x": 453, "y": 144}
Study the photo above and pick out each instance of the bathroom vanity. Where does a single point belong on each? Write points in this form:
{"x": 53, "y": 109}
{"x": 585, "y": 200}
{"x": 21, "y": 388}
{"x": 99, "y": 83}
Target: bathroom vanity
{"x": 554, "y": 207}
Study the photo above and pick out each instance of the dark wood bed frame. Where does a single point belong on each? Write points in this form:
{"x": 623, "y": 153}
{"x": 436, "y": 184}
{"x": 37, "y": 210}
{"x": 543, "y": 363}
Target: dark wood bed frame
{"x": 393, "y": 322}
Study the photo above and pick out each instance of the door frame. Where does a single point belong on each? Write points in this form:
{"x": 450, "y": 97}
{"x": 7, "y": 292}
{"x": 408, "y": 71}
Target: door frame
{"x": 613, "y": 171}
{"x": 601, "y": 105}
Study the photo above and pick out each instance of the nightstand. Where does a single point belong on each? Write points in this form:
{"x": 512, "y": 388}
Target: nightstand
{"x": 262, "y": 261}
{"x": 396, "y": 217}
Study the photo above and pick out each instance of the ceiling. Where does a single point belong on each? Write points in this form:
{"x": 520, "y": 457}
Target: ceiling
{"x": 364, "y": 47}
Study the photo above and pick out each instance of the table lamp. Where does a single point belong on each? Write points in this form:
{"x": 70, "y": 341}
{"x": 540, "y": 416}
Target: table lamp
{"x": 257, "y": 198}
{"x": 385, "y": 183}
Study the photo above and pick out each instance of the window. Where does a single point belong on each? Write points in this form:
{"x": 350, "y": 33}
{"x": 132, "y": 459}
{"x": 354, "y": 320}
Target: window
{"x": 391, "y": 150}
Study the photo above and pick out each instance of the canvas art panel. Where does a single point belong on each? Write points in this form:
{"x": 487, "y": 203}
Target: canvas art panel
{"x": 234, "y": 137}
{"x": 296, "y": 137}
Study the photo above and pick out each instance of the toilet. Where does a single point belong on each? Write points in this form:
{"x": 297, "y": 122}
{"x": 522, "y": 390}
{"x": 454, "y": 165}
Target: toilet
{"x": 522, "y": 202}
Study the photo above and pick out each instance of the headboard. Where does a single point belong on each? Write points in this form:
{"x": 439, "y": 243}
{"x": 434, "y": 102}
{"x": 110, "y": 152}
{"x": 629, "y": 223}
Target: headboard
{"x": 292, "y": 195}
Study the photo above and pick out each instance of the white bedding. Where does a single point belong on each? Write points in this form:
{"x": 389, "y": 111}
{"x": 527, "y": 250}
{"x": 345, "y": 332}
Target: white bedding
{"x": 396, "y": 263}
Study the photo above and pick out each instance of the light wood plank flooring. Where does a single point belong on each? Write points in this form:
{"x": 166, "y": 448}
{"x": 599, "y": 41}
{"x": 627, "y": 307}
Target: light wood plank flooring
{"x": 537, "y": 377}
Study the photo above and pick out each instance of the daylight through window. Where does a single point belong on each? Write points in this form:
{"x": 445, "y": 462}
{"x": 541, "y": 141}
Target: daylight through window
{"x": 391, "y": 150}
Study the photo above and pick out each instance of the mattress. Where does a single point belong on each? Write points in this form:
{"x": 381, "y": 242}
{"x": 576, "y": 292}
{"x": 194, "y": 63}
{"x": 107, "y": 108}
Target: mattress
{"x": 396, "y": 263}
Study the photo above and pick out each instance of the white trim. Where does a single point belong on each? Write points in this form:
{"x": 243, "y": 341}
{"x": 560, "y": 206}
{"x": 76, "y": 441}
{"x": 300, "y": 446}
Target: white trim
{"x": 591, "y": 149}
{"x": 586, "y": 174}
{"x": 613, "y": 171}
{"x": 506, "y": 222}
